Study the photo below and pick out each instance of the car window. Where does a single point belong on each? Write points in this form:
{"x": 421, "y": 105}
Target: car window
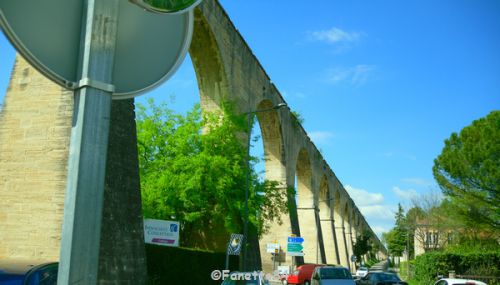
{"x": 334, "y": 273}
{"x": 442, "y": 282}
{"x": 389, "y": 277}
{"x": 374, "y": 277}
{"x": 46, "y": 275}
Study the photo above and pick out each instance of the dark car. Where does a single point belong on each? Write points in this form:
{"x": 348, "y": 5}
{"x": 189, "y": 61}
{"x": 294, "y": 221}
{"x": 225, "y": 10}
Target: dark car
{"x": 332, "y": 275}
{"x": 380, "y": 278}
{"x": 28, "y": 273}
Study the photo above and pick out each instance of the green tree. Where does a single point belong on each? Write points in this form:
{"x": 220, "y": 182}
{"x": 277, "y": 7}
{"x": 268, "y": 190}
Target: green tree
{"x": 362, "y": 245}
{"x": 397, "y": 237}
{"x": 193, "y": 169}
{"x": 468, "y": 172}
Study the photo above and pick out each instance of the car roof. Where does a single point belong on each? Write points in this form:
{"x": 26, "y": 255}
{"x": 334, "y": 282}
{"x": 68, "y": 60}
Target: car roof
{"x": 335, "y": 267}
{"x": 20, "y": 266}
{"x": 461, "y": 281}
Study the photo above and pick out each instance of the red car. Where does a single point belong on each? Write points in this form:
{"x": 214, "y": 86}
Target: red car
{"x": 302, "y": 275}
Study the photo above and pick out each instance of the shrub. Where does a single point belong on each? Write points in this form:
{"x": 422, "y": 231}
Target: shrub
{"x": 430, "y": 265}
{"x": 175, "y": 265}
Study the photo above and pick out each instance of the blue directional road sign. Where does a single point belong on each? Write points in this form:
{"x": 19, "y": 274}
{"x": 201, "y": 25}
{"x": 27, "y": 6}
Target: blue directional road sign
{"x": 295, "y": 239}
{"x": 294, "y": 246}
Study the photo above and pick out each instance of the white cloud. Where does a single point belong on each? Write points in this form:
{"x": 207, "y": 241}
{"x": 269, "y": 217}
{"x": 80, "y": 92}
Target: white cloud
{"x": 377, "y": 212}
{"x": 356, "y": 75}
{"x": 335, "y": 35}
{"x": 379, "y": 230}
{"x": 405, "y": 194}
{"x": 379, "y": 215}
{"x": 321, "y": 137}
{"x": 364, "y": 198}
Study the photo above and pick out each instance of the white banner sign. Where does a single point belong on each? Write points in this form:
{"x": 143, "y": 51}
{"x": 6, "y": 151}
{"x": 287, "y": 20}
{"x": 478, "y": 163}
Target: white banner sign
{"x": 272, "y": 247}
{"x": 161, "y": 232}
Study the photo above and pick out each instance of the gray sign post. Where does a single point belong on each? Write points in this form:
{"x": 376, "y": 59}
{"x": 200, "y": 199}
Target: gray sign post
{"x": 103, "y": 50}
{"x": 81, "y": 230}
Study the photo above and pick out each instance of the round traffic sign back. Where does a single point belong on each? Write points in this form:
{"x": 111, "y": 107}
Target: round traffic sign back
{"x": 149, "y": 47}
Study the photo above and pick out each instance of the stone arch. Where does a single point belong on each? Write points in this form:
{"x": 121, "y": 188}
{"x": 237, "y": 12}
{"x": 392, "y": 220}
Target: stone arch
{"x": 303, "y": 172}
{"x": 208, "y": 66}
{"x": 272, "y": 139}
{"x": 326, "y": 208}
{"x": 339, "y": 226}
{"x": 347, "y": 212}
{"x": 325, "y": 202}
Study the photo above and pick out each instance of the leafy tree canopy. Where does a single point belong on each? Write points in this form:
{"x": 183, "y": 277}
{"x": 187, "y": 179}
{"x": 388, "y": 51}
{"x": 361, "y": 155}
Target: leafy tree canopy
{"x": 468, "y": 172}
{"x": 362, "y": 245}
{"x": 193, "y": 169}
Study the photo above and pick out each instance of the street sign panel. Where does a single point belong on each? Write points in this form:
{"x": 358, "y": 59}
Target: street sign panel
{"x": 149, "y": 46}
{"x": 294, "y": 246}
{"x": 297, "y": 247}
{"x": 272, "y": 247}
{"x": 161, "y": 232}
{"x": 293, "y": 253}
{"x": 296, "y": 239}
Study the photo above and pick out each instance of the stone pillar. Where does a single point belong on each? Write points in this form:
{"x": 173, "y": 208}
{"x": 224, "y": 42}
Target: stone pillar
{"x": 347, "y": 247}
{"x": 353, "y": 241}
{"x": 341, "y": 243}
{"x": 330, "y": 240}
{"x": 321, "y": 241}
{"x": 35, "y": 127}
{"x": 309, "y": 231}
{"x": 122, "y": 258}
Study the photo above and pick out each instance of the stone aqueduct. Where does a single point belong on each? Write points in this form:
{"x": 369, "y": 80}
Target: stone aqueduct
{"x": 34, "y": 134}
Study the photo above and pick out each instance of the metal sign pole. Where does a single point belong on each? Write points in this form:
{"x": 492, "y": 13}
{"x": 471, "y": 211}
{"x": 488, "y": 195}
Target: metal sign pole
{"x": 79, "y": 260}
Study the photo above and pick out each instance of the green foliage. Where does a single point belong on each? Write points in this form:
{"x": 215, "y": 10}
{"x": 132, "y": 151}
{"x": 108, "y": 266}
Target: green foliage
{"x": 298, "y": 117}
{"x": 468, "y": 171}
{"x": 396, "y": 239}
{"x": 188, "y": 267}
{"x": 193, "y": 169}
{"x": 362, "y": 245}
{"x": 428, "y": 266}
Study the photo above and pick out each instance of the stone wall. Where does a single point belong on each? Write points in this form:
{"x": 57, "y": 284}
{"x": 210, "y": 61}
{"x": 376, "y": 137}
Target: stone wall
{"x": 35, "y": 127}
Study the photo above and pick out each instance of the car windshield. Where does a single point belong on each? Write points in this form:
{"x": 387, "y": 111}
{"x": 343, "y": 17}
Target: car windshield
{"x": 334, "y": 273}
{"x": 362, "y": 269}
{"x": 389, "y": 277}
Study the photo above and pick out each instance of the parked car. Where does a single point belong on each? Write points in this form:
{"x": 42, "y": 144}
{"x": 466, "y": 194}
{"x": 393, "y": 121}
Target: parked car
{"x": 259, "y": 280}
{"x": 332, "y": 275}
{"x": 302, "y": 275}
{"x": 361, "y": 272}
{"x": 455, "y": 281}
{"x": 380, "y": 278}
{"x": 28, "y": 273}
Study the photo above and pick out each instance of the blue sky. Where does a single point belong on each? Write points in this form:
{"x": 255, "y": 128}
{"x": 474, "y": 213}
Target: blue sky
{"x": 380, "y": 84}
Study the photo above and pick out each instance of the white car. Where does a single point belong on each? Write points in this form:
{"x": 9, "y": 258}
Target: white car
{"x": 453, "y": 281}
{"x": 361, "y": 272}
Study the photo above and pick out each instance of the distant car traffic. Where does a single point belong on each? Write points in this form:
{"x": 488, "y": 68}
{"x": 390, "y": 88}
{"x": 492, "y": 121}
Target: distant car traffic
{"x": 455, "y": 281}
{"x": 361, "y": 272}
{"x": 28, "y": 273}
{"x": 380, "y": 278}
{"x": 302, "y": 275}
{"x": 332, "y": 275}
